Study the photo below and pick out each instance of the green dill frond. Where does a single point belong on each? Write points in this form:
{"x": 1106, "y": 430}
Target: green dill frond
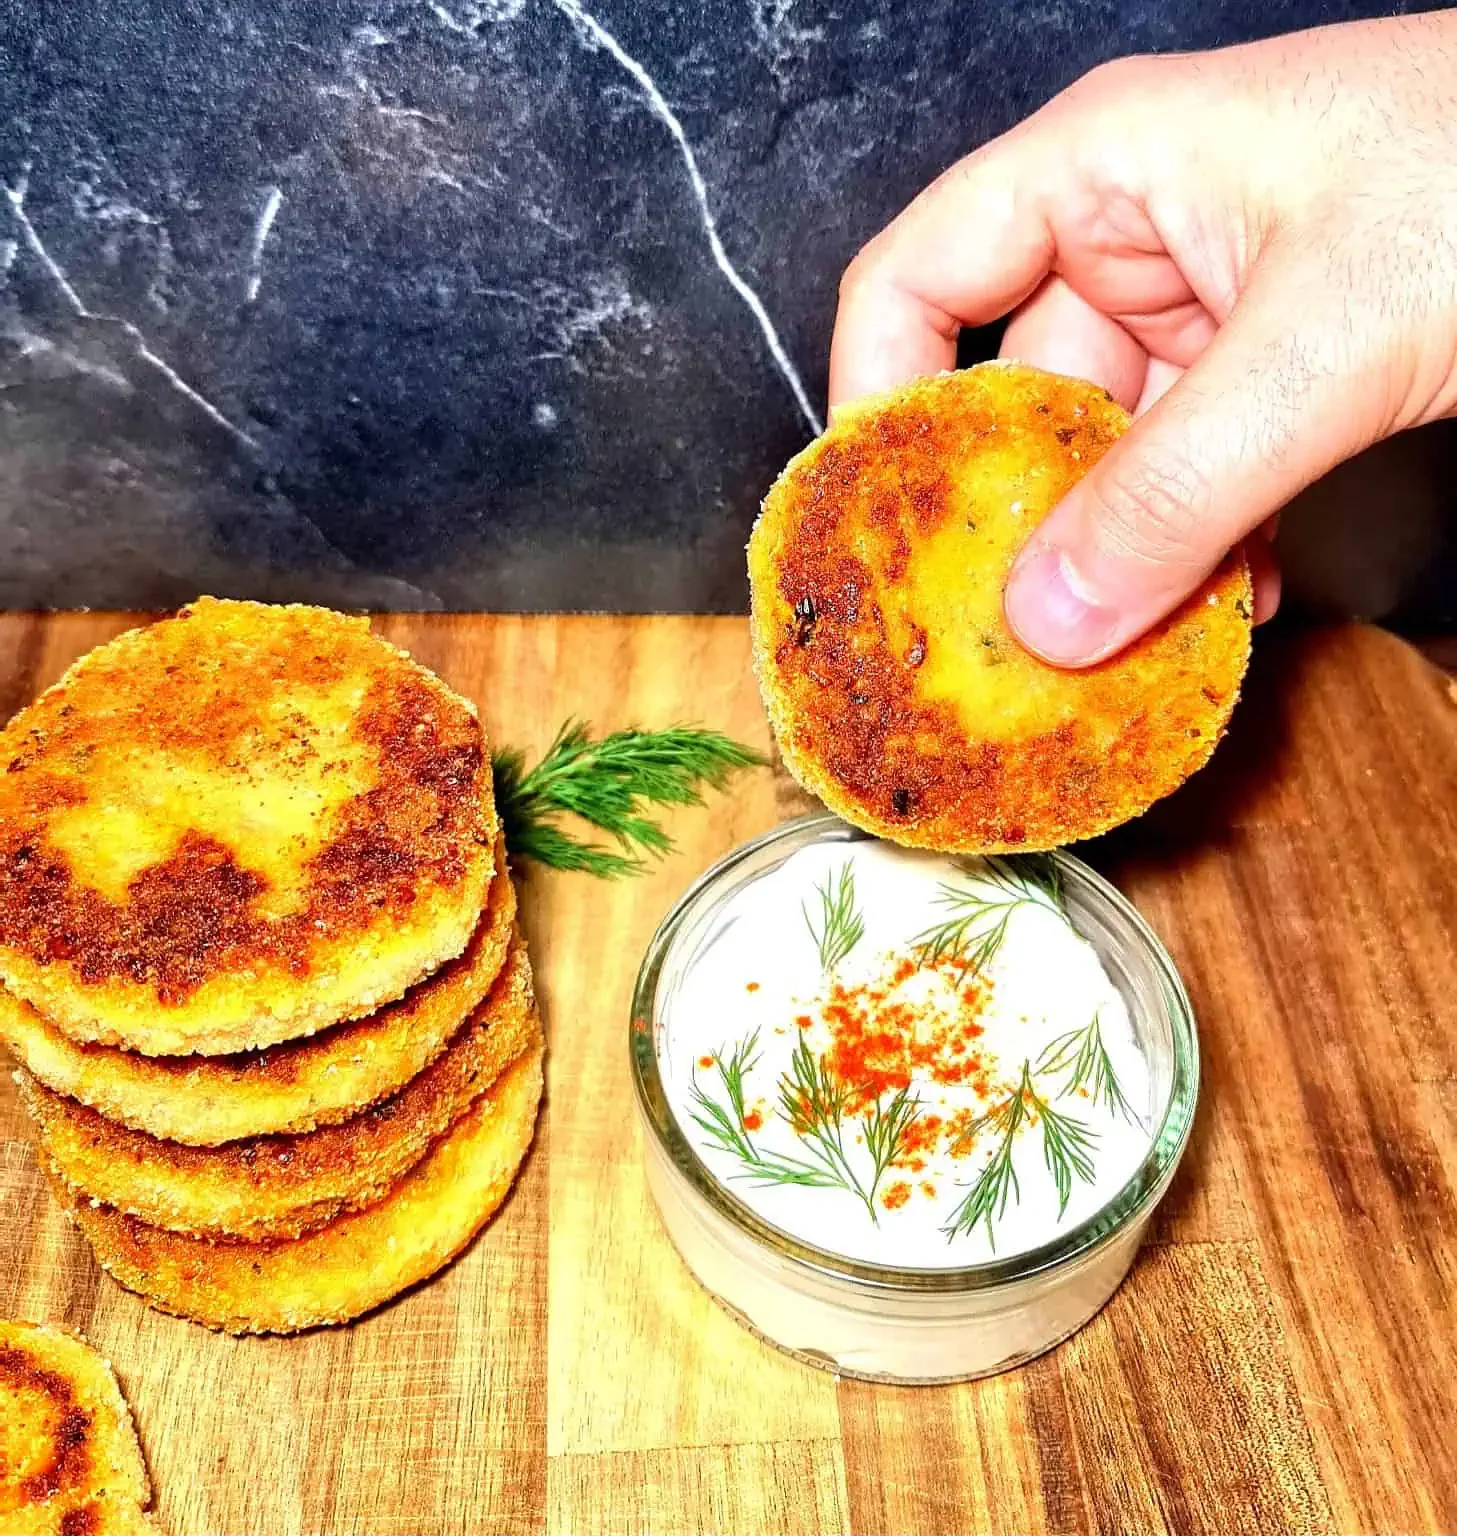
{"x": 724, "y": 1126}
{"x": 611, "y": 784}
{"x": 1035, "y": 876}
{"x": 976, "y": 925}
{"x": 1083, "y": 1056}
{"x": 1067, "y": 1148}
{"x": 961, "y": 938}
{"x": 986, "y": 1201}
{"x": 811, "y": 1098}
{"x": 815, "y": 1104}
{"x": 886, "y": 1126}
{"x": 841, "y": 925}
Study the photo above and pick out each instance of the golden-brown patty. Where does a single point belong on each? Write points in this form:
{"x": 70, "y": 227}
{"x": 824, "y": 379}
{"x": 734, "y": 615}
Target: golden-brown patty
{"x": 895, "y": 687}
{"x": 236, "y": 827}
{"x": 281, "y": 1186}
{"x": 70, "y": 1464}
{"x": 358, "y": 1260}
{"x": 296, "y": 1086}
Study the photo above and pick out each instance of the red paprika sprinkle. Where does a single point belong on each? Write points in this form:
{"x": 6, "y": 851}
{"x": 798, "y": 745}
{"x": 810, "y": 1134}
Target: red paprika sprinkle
{"x": 959, "y": 1132}
{"x": 883, "y": 1034}
{"x": 913, "y": 1026}
{"x": 919, "y": 1137}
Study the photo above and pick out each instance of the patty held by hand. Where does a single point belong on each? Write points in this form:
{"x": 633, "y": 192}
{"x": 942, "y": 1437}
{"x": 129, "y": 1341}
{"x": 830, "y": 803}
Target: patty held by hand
{"x": 898, "y": 693}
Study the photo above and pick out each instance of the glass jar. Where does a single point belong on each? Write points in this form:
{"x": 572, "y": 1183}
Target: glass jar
{"x": 910, "y": 1325}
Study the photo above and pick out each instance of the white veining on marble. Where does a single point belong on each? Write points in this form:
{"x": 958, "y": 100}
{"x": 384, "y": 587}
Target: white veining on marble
{"x": 509, "y": 295}
{"x": 597, "y": 36}
{"x": 543, "y": 218}
{"x": 784, "y": 41}
{"x": 444, "y": 178}
{"x": 15, "y": 196}
{"x": 410, "y": 144}
{"x": 602, "y": 313}
{"x": 64, "y": 359}
{"x": 367, "y": 35}
{"x": 120, "y": 224}
{"x": 588, "y": 317}
{"x": 272, "y": 203}
{"x": 412, "y": 114}
{"x": 445, "y": 19}
{"x": 595, "y": 33}
{"x": 399, "y": 590}
{"x": 475, "y": 14}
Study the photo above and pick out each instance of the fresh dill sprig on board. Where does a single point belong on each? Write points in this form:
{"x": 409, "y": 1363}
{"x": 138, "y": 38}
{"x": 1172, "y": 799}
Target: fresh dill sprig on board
{"x": 1082, "y": 1054}
{"x": 977, "y": 925}
{"x": 610, "y": 784}
{"x": 841, "y": 925}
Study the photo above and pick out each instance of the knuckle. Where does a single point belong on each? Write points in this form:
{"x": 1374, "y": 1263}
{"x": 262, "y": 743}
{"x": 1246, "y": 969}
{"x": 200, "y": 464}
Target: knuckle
{"x": 858, "y": 276}
{"x": 1114, "y": 77}
{"x": 1151, "y": 507}
{"x": 1140, "y": 93}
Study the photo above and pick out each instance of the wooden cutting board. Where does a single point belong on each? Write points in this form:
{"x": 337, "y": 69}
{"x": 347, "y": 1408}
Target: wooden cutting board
{"x": 1282, "y": 1359}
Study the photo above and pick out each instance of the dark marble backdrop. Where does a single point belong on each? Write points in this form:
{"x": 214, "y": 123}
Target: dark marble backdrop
{"x": 498, "y": 303}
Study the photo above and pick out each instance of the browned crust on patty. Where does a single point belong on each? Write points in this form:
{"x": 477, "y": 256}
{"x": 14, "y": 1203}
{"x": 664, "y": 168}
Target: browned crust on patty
{"x": 210, "y": 946}
{"x": 69, "y": 1458}
{"x": 282, "y": 1186}
{"x": 856, "y": 564}
{"x": 357, "y": 1261}
{"x": 66, "y": 1461}
{"x": 293, "y": 1087}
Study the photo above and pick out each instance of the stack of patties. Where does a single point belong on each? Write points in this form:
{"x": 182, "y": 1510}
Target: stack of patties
{"x": 274, "y": 1019}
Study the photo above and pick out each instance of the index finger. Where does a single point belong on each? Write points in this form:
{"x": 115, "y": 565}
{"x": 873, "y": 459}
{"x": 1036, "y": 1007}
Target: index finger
{"x": 970, "y": 248}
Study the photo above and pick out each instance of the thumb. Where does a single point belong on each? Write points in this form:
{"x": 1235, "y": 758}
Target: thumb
{"x": 1278, "y": 397}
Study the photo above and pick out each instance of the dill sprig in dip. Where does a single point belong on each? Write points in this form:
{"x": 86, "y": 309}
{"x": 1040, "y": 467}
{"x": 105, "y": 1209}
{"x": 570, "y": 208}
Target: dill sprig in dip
{"x": 913, "y": 1071}
{"x": 906, "y": 1058}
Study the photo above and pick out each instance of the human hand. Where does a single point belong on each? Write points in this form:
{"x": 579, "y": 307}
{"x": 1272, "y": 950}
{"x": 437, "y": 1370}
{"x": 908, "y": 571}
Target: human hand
{"x": 1254, "y": 249}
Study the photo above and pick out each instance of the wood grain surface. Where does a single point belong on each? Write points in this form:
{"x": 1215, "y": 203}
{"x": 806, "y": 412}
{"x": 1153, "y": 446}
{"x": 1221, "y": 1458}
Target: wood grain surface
{"x": 1282, "y": 1359}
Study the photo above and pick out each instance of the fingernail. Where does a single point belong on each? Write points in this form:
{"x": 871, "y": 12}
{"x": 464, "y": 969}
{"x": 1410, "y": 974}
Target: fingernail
{"x": 1053, "y": 613}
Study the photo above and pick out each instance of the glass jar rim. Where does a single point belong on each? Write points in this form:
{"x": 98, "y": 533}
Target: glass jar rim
{"x": 1132, "y": 1203}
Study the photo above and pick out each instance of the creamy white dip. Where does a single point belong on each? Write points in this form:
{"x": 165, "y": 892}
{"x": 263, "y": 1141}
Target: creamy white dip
{"x": 905, "y": 1059}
